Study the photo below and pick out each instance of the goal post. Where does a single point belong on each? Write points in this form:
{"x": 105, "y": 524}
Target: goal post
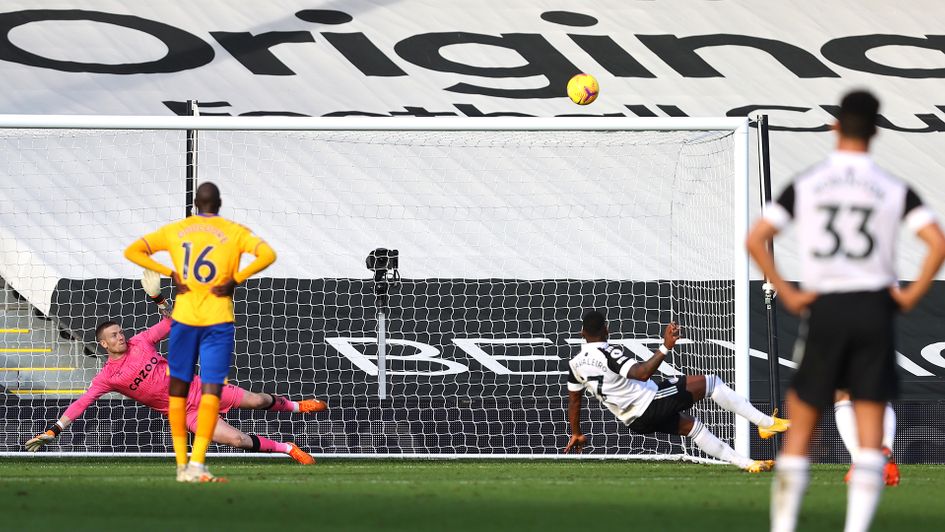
{"x": 508, "y": 229}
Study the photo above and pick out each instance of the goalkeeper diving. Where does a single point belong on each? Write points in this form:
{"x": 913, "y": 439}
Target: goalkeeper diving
{"x": 136, "y": 370}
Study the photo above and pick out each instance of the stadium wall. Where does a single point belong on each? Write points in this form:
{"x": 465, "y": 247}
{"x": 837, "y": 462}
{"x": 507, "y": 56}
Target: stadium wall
{"x": 493, "y": 58}
{"x": 460, "y": 405}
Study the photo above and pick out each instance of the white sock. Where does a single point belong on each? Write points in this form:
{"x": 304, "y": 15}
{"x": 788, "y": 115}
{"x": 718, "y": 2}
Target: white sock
{"x": 715, "y": 447}
{"x": 889, "y": 427}
{"x": 295, "y": 406}
{"x": 866, "y": 485}
{"x": 846, "y": 426}
{"x": 725, "y": 397}
{"x": 791, "y": 475}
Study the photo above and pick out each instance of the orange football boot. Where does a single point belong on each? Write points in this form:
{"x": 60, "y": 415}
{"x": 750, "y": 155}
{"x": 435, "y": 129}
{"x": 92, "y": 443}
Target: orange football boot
{"x": 299, "y": 455}
{"x": 891, "y": 471}
{"x": 312, "y": 405}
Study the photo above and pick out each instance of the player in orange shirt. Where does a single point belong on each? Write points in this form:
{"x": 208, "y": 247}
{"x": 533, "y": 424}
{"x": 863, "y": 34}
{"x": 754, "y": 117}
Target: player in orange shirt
{"x": 205, "y": 250}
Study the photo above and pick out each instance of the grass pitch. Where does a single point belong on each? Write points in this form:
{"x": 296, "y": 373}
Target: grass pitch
{"x": 141, "y": 494}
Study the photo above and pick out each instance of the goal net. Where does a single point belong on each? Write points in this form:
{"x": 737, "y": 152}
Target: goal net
{"x": 508, "y": 232}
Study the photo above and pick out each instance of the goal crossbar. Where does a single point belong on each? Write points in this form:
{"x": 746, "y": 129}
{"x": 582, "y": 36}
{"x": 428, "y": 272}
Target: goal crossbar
{"x": 361, "y": 123}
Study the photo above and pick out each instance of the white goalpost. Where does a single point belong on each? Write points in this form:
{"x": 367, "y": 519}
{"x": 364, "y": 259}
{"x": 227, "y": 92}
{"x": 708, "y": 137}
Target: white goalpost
{"x": 508, "y": 230}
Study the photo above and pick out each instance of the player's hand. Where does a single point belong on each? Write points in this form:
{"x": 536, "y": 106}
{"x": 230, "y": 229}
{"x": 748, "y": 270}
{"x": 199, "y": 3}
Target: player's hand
{"x": 179, "y": 285}
{"x": 151, "y": 282}
{"x": 224, "y": 289}
{"x": 795, "y": 300}
{"x": 671, "y": 334}
{"x": 905, "y": 299}
{"x": 577, "y": 442}
{"x": 38, "y": 441}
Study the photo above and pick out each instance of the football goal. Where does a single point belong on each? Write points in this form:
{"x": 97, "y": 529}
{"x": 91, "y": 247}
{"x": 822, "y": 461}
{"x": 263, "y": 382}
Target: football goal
{"x": 507, "y": 232}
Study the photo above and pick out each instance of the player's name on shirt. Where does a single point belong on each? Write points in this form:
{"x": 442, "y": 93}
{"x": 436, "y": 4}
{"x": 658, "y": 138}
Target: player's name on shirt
{"x": 203, "y": 228}
{"x": 850, "y": 179}
{"x": 585, "y": 361}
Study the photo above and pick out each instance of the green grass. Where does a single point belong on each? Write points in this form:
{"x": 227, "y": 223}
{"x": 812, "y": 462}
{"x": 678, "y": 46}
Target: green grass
{"x": 141, "y": 494}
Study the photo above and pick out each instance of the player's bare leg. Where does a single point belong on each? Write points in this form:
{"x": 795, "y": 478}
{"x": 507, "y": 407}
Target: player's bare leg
{"x": 711, "y": 386}
{"x": 716, "y": 448}
{"x": 695, "y": 384}
{"x": 866, "y": 482}
{"x": 792, "y": 471}
{"x": 227, "y": 434}
{"x": 276, "y": 403}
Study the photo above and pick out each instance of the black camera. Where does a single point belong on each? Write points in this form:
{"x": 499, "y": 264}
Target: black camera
{"x": 384, "y": 263}
{"x": 382, "y": 260}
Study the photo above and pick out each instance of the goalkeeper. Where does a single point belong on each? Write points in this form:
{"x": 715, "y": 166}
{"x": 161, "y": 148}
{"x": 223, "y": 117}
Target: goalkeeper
{"x": 136, "y": 370}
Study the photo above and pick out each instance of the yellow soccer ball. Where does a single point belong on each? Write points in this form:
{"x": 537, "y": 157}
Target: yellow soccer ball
{"x": 583, "y": 89}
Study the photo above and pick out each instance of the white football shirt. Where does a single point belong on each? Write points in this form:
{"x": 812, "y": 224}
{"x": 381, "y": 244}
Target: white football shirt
{"x": 602, "y": 368}
{"x": 847, "y": 211}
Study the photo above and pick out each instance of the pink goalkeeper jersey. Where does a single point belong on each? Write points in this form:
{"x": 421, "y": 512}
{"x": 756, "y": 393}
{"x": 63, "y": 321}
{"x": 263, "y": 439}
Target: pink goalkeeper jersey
{"x": 140, "y": 375}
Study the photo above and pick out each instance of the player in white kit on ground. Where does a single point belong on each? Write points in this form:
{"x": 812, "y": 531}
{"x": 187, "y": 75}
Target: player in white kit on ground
{"x": 646, "y": 405}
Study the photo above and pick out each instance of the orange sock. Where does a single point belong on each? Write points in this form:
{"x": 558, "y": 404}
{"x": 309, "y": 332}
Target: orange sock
{"x": 207, "y": 415}
{"x": 177, "y": 417}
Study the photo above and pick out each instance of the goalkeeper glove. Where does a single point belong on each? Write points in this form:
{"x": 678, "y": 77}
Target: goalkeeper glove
{"x": 38, "y": 441}
{"x": 151, "y": 282}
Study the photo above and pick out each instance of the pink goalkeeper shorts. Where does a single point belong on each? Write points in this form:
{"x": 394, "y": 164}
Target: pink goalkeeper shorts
{"x": 231, "y": 397}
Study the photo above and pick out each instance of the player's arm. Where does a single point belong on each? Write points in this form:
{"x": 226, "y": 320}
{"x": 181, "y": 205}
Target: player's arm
{"x": 642, "y": 371}
{"x": 96, "y": 390}
{"x": 154, "y": 334}
{"x": 151, "y": 283}
{"x": 265, "y": 256}
{"x": 140, "y": 251}
{"x": 37, "y": 442}
{"x": 793, "y": 299}
{"x": 777, "y": 215}
{"x": 575, "y": 394}
{"x": 921, "y": 220}
{"x": 757, "y": 242}
{"x": 152, "y": 286}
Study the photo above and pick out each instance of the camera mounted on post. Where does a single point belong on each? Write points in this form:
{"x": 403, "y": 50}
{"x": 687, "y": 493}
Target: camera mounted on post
{"x": 384, "y": 263}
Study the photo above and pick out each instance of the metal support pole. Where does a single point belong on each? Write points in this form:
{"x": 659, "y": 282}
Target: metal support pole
{"x": 383, "y": 263}
{"x": 191, "y": 162}
{"x": 381, "y": 356}
{"x": 774, "y": 368}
